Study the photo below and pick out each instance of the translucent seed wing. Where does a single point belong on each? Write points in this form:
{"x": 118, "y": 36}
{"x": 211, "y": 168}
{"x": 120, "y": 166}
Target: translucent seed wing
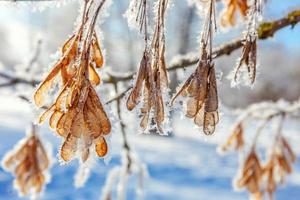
{"x": 11, "y": 159}
{"x": 96, "y": 52}
{"x": 68, "y": 44}
{"x": 55, "y": 117}
{"x": 243, "y": 7}
{"x": 159, "y": 108}
{"x": 199, "y": 118}
{"x": 87, "y": 142}
{"x": 45, "y": 114}
{"x": 290, "y": 152}
{"x": 209, "y": 122}
{"x": 192, "y": 107}
{"x": 183, "y": 89}
{"x": 211, "y": 103}
{"x": 93, "y": 75}
{"x": 145, "y": 110}
{"x": 91, "y": 120}
{"x": 41, "y": 92}
{"x": 135, "y": 93}
{"x": 65, "y": 123}
{"x": 60, "y": 126}
{"x": 42, "y": 157}
{"x": 102, "y": 117}
{"x": 69, "y": 148}
{"x": 162, "y": 68}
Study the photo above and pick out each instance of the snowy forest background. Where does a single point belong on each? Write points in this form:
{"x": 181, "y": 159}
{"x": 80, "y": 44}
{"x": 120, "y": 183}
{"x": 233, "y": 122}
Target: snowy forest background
{"x": 184, "y": 165}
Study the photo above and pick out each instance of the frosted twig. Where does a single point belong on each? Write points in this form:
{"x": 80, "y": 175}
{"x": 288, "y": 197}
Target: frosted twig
{"x": 265, "y": 30}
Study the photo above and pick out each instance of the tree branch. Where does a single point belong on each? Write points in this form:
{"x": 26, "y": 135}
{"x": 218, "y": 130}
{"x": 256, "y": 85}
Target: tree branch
{"x": 265, "y": 30}
{"x": 126, "y": 146}
{"x": 11, "y": 80}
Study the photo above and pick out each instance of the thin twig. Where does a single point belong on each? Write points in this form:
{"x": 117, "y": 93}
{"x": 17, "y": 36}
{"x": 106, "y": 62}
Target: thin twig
{"x": 265, "y": 30}
{"x": 123, "y": 131}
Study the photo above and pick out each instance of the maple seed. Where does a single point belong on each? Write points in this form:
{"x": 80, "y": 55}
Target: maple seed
{"x": 28, "y": 163}
{"x": 229, "y": 12}
{"x": 251, "y": 176}
{"x": 201, "y": 87}
{"x": 152, "y": 76}
{"x": 248, "y": 59}
{"x": 101, "y": 147}
{"x": 236, "y": 138}
{"x": 77, "y": 114}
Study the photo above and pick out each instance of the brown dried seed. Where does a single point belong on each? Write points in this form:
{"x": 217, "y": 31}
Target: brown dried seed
{"x": 211, "y": 103}
{"x": 290, "y": 152}
{"x": 39, "y": 96}
{"x": 135, "y": 93}
{"x": 96, "y": 52}
{"x": 102, "y": 117}
{"x": 93, "y": 76}
{"x": 248, "y": 58}
{"x": 235, "y": 137}
{"x": 159, "y": 111}
{"x": 55, "y": 117}
{"x": 199, "y": 118}
{"x": 269, "y": 172}
{"x": 251, "y": 174}
{"x": 60, "y": 126}
{"x": 152, "y": 77}
{"x": 69, "y": 148}
{"x": 28, "y": 164}
{"x": 68, "y": 43}
{"x": 210, "y": 121}
{"x": 91, "y": 122}
{"x": 284, "y": 164}
{"x": 101, "y": 147}
{"x": 192, "y": 107}
{"x": 77, "y": 113}
{"x": 228, "y": 16}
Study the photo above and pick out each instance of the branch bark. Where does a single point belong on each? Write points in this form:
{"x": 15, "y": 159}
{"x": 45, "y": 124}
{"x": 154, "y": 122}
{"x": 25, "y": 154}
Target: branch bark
{"x": 265, "y": 30}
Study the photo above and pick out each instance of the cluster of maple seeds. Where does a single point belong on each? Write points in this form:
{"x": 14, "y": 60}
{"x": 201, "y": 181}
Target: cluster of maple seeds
{"x": 152, "y": 77}
{"x": 77, "y": 114}
{"x": 248, "y": 59}
{"x": 28, "y": 163}
{"x": 256, "y": 177}
{"x": 201, "y": 87}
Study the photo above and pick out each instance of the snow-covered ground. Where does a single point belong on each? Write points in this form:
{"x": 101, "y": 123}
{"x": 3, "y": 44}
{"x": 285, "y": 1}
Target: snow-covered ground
{"x": 185, "y": 166}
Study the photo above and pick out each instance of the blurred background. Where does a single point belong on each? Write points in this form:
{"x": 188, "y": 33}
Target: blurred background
{"x": 196, "y": 172}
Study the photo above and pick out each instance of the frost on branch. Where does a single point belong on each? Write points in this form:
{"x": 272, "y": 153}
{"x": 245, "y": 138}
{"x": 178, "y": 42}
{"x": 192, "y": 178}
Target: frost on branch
{"x": 136, "y": 14}
{"x": 248, "y": 61}
{"x": 119, "y": 176}
{"x": 152, "y": 77}
{"x": 201, "y": 87}
{"x": 29, "y": 163}
{"x": 77, "y": 114}
{"x": 229, "y": 12}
